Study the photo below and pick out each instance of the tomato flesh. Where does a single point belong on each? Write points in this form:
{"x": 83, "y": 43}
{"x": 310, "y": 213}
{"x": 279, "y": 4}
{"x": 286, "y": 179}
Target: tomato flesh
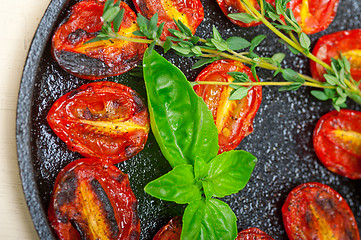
{"x": 233, "y": 118}
{"x": 171, "y": 231}
{"x": 101, "y": 119}
{"x": 313, "y": 15}
{"x": 236, "y": 6}
{"x": 92, "y": 199}
{"x": 331, "y": 45}
{"x": 253, "y": 234}
{"x": 190, "y": 12}
{"x": 316, "y": 211}
{"x": 337, "y": 142}
{"x": 98, "y": 59}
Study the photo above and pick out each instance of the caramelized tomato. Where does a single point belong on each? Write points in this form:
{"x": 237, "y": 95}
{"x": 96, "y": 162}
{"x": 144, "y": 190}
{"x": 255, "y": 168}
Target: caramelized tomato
{"x": 102, "y": 119}
{"x": 234, "y": 119}
{"x": 98, "y": 59}
{"x": 171, "y": 231}
{"x": 189, "y": 12}
{"x": 253, "y": 234}
{"x": 236, "y": 6}
{"x": 331, "y": 45}
{"x": 92, "y": 199}
{"x": 313, "y": 15}
{"x": 337, "y": 142}
{"x": 316, "y": 211}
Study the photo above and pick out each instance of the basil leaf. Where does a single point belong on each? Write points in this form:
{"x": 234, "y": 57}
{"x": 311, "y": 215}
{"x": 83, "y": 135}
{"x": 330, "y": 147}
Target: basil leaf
{"x": 181, "y": 122}
{"x": 178, "y": 186}
{"x": 212, "y": 219}
{"x": 229, "y": 172}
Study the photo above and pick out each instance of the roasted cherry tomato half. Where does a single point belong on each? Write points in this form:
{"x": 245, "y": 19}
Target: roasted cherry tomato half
{"x": 331, "y": 45}
{"x": 337, "y": 142}
{"x": 92, "y": 199}
{"x": 233, "y": 118}
{"x": 313, "y": 15}
{"x": 316, "y": 211}
{"x": 189, "y": 12}
{"x": 236, "y": 6}
{"x": 171, "y": 231}
{"x": 253, "y": 234}
{"x": 102, "y": 119}
{"x": 98, "y": 59}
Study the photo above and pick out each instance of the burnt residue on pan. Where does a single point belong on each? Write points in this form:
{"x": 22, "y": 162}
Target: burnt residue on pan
{"x": 282, "y": 137}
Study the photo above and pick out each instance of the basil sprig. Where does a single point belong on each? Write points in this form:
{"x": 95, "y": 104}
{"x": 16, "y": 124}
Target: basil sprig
{"x": 185, "y": 131}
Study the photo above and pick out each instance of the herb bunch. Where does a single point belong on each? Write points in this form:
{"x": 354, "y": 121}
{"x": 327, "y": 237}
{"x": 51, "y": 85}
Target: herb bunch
{"x": 338, "y": 86}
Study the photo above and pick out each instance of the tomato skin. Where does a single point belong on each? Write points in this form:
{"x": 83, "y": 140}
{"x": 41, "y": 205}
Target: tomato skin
{"x": 313, "y": 15}
{"x": 337, "y": 152}
{"x": 316, "y": 211}
{"x": 236, "y": 6}
{"x": 171, "y": 231}
{"x": 99, "y": 59}
{"x": 234, "y": 119}
{"x": 92, "y": 190}
{"x": 253, "y": 234}
{"x": 330, "y": 46}
{"x": 190, "y": 12}
{"x": 102, "y": 119}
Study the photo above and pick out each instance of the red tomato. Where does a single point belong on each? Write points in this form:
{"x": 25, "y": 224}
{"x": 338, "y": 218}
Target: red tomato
{"x": 189, "y": 12}
{"x": 337, "y": 142}
{"x": 331, "y": 45}
{"x": 253, "y": 234}
{"x": 102, "y": 119}
{"x": 316, "y": 211}
{"x": 234, "y": 119}
{"x": 236, "y": 6}
{"x": 171, "y": 231}
{"x": 99, "y": 59}
{"x": 313, "y": 15}
{"x": 92, "y": 199}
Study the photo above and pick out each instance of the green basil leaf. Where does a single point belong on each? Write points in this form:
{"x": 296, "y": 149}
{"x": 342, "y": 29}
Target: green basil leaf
{"x": 237, "y": 43}
{"x": 181, "y": 122}
{"x": 178, "y": 186}
{"x": 229, "y": 172}
{"x": 200, "y": 168}
{"x": 243, "y": 17}
{"x": 205, "y": 220}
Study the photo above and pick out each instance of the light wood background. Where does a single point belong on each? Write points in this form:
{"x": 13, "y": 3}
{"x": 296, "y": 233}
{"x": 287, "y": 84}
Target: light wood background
{"x": 18, "y": 21}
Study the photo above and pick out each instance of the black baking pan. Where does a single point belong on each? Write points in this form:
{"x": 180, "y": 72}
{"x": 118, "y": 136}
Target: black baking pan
{"x": 282, "y": 137}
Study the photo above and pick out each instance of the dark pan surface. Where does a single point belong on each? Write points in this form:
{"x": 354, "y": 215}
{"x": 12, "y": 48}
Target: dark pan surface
{"x": 282, "y": 139}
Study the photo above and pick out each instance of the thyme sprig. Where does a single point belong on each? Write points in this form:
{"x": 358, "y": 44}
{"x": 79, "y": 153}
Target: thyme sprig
{"x": 338, "y": 86}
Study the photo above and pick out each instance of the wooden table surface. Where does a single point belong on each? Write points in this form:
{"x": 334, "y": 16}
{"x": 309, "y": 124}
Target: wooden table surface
{"x": 18, "y": 20}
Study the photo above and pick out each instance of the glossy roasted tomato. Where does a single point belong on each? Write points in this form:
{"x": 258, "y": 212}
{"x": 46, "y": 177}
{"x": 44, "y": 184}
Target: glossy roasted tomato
{"x": 98, "y": 59}
{"x": 316, "y": 211}
{"x": 236, "y": 6}
{"x": 313, "y": 15}
{"x": 253, "y": 234}
{"x": 189, "y": 12}
{"x": 102, "y": 119}
{"x": 234, "y": 119}
{"x": 92, "y": 199}
{"x": 331, "y": 45}
{"x": 337, "y": 142}
{"x": 171, "y": 231}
